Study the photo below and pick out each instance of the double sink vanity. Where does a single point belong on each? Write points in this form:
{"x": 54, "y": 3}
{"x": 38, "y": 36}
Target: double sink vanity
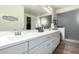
{"x": 29, "y": 42}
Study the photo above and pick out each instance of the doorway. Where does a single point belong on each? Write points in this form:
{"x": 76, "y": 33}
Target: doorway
{"x": 28, "y": 25}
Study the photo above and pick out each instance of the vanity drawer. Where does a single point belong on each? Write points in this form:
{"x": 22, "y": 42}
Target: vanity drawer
{"x": 45, "y": 48}
{"x": 37, "y": 41}
{"x": 16, "y": 49}
{"x": 54, "y": 35}
{"x": 53, "y": 44}
{"x": 41, "y": 49}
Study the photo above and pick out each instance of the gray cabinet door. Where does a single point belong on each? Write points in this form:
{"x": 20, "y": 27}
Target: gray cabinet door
{"x": 53, "y": 45}
{"x": 37, "y": 41}
{"x": 47, "y": 46}
{"x": 40, "y": 49}
{"x": 17, "y": 49}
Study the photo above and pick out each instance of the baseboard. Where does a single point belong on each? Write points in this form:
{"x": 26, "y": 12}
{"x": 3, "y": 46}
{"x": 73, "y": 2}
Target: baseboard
{"x": 73, "y": 41}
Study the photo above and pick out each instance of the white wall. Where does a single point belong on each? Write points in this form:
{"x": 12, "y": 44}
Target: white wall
{"x": 16, "y": 11}
{"x": 67, "y": 9}
{"x": 33, "y": 20}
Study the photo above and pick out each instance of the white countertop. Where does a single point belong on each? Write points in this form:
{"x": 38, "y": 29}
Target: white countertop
{"x": 8, "y": 38}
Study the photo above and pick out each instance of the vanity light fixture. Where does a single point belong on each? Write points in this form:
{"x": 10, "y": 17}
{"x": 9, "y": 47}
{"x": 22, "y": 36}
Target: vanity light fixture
{"x": 48, "y": 9}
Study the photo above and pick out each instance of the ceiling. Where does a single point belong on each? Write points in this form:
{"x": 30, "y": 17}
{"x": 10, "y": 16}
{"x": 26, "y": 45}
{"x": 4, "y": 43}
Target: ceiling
{"x": 37, "y": 10}
{"x": 59, "y": 6}
{"x": 34, "y": 10}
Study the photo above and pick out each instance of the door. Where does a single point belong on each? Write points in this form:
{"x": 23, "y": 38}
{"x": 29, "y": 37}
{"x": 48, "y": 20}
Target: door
{"x": 28, "y": 26}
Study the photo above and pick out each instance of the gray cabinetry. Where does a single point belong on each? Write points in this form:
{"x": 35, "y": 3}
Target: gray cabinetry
{"x": 40, "y": 45}
{"x": 16, "y": 49}
{"x": 47, "y": 44}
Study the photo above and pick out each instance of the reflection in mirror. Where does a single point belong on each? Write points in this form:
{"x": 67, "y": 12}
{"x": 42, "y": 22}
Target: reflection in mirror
{"x": 46, "y": 21}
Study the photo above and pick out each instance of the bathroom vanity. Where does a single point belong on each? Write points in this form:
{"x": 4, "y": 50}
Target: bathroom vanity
{"x": 30, "y": 42}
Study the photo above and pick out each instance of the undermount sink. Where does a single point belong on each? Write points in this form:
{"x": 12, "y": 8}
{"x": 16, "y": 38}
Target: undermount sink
{"x": 18, "y": 37}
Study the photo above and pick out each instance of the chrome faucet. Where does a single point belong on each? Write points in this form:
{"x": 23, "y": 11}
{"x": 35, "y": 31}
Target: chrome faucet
{"x": 17, "y": 33}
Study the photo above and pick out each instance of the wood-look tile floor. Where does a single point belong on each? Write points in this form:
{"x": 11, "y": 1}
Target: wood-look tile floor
{"x": 66, "y": 47}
